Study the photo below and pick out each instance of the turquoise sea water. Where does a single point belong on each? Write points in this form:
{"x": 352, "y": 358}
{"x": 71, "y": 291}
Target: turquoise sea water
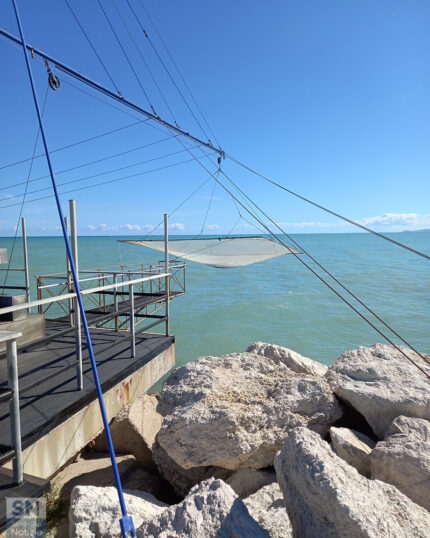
{"x": 277, "y": 301}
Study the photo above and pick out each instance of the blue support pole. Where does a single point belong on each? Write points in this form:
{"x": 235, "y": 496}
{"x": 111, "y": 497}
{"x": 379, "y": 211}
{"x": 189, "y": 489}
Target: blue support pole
{"x": 126, "y": 522}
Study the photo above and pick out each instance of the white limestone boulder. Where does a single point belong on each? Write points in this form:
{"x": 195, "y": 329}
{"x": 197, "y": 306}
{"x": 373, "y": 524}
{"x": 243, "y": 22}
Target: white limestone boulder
{"x": 381, "y": 384}
{"x": 234, "y": 411}
{"x": 353, "y": 447}
{"x": 296, "y": 362}
{"x": 211, "y": 509}
{"x": 267, "y": 507}
{"x": 95, "y": 512}
{"x": 403, "y": 458}
{"x": 134, "y": 429}
{"x": 328, "y": 498}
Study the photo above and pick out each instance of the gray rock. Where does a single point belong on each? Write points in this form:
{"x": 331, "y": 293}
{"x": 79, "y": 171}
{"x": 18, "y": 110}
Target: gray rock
{"x": 381, "y": 384}
{"x": 296, "y": 362}
{"x": 245, "y": 482}
{"x": 267, "y": 507}
{"x": 353, "y": 447}
{"x": 403, "y": 458}
{"x": 233, "y": 412}
{"x": 211, "y": 509}
{"x": 134, "y": 429}
{"x": 327, "y": 498}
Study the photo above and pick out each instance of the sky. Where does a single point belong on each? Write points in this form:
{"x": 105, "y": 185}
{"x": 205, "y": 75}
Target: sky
{"x": 328, "y": 98}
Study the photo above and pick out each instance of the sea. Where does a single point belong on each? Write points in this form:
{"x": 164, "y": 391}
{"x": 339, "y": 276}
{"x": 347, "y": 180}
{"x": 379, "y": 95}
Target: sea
{"x": 280, "y": 300}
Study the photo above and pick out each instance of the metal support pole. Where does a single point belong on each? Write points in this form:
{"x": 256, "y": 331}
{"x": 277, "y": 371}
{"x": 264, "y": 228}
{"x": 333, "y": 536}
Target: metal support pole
{"x": 15, "y": 423}
{"x": 69, "y": 277}
{"x": 166, "y": 263}
{"x": 132, "y": 331}
{"x": 78, "y": 337}
{"x": 115, "y": 300}
{"x": 27, "y": 275}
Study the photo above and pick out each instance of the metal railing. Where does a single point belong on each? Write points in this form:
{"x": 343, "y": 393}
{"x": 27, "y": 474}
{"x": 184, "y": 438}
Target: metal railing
{"x": 117, "y": 300}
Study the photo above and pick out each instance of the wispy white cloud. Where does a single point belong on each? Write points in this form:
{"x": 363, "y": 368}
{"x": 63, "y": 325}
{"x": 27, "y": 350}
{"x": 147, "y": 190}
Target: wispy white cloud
{"x": 213, "y": 226}
{"x": 412, "y": 221}
{"x": 310, "y": 224}
{"x": 178, "y": 226}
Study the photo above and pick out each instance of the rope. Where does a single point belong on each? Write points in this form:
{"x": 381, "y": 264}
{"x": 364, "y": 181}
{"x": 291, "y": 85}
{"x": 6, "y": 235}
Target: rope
{"x": 382, "y": 236}
{"x": 76, "y": 143}
{"x": 208, "y": 208}
{"x": 169, "y": 74}
{"x": 92, "y": 46}
{"x": 105, "y": 182}
{"x": 90, "y": 162}
{"x": 332, "y": 276}
{"x": 126, "y": 57}
{"x": 144, "y": 61}
{"x": 98, "y": 175}
{"x": 312, "y": 270}
{"x": 25, "y": 193}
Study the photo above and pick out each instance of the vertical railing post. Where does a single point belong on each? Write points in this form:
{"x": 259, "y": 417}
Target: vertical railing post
{"x": 115, "y": 299}
{"x": 78, "y": 336}
{"x": 166, "y": 268}
{"x": 132, "y": 331}
{"x": 15, "y": 423}
{"x": 25, "y": 251}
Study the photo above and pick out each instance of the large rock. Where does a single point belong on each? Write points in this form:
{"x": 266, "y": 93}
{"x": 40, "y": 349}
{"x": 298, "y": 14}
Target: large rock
{"x": 267, "y": 507}
{"x": 328, "y": 498}
{"x": 296, "y": 362}
{"x": 134, "y": 429}
{"x": 403, "y": 458}
{"x": 95, "y": 512}
{"x": 353, "y": 447}
{"x": 211, "y": 509}
{"x": 381, "y": 384}
{"x": 245, "y": 482}
{"x": 233, "y": 412}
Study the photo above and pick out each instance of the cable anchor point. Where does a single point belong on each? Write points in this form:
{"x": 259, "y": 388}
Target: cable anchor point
{"x": 54, "y": 81}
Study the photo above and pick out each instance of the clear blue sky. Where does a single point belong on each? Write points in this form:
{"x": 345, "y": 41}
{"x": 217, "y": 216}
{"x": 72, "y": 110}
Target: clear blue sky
{"x": 330, "y": 98}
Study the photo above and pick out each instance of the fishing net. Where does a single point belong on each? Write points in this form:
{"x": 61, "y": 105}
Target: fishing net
{"x": 220, "y": 252}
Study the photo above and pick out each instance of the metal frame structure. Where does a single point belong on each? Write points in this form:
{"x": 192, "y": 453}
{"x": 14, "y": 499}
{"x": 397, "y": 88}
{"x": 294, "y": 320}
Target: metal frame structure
{"x": 13, "y": 390}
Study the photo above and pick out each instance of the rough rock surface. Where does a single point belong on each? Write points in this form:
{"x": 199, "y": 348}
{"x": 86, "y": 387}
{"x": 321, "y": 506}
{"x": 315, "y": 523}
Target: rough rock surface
{"x": 381, "y": 384}
{"x": 403, "y": 458}
{"x": 95, "y": 512}
{"x": 183, "y": 479}
{"x": 326, "y": 497}
{"x": 234, "y": 411}
{"x": 353, "y": 447}
{"x": 211, "y": 509}
{"x": 134, "y": 429}
{"x": 267, "y": 507}
{"x": 245, "y": 482}
{"x": 296, "y": 362}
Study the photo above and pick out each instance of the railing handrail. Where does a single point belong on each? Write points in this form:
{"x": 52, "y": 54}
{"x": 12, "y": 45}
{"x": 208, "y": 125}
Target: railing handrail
{"x": 72, "y": 295}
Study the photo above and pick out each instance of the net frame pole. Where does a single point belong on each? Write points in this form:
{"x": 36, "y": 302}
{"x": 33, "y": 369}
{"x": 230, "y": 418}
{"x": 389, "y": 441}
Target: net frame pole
{"x": 167, "y": 270}
{"x": 25, "y": 253}
{"x": 78, "y": 334}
